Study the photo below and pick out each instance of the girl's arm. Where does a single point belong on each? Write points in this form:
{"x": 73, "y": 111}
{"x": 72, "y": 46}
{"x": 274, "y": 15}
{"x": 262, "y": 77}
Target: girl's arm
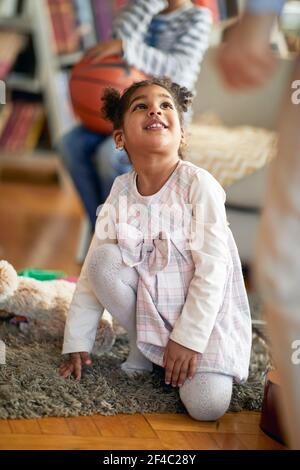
{"x": 212, "y": 259}
{"x": 85, "y": 310}
{"x": 182, "y": 61}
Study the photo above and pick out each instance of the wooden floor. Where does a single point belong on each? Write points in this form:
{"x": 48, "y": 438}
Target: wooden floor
{"x": 40, "y": 227}
{"x": 235, "y": 431}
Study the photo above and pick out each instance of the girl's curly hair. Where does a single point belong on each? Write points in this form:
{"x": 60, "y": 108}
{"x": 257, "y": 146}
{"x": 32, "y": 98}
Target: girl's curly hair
{"x": 115, "y": 105}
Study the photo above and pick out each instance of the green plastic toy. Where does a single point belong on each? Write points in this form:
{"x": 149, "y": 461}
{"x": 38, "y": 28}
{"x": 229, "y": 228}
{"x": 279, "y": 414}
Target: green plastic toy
{"x": 41, "y": 274}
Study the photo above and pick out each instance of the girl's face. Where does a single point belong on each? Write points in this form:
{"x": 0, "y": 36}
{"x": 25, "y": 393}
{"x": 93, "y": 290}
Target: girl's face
{"x": 151, "y": 124}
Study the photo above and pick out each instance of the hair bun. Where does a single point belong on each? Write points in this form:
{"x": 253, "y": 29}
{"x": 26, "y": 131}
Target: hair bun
{"x": 111, "y": 99}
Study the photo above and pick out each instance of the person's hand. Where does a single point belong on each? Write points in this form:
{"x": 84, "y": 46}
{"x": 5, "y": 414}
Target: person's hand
{"x": 246, "y": 60}
{"x": 73, "y": 364}
{"x": 179, "y": 363}
{"x": 104, "y": 49}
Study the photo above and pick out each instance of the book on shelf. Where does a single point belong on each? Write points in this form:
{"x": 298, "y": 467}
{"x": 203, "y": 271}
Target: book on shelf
{"x": 65, "y": 34}
{"x": 5, "y": 114}
{"x": 11, "y": 44}
{"x": 104, "y": 13}
{"x": 103, "y": 16}
{"x": 21, "y": 124}
{"x": 35, "y": 129}
{"x": 9, "y": 126}
{"x": 14, "y": 134}
{"x": 79, "y": 24}
{"x": 69, "y": 25}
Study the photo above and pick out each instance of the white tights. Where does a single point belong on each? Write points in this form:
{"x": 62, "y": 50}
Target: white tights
{"x": 207, "y": 396}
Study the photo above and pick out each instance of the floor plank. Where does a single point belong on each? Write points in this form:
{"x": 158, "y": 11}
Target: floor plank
{"x": 25, "y": 426}
{"x": 82, "y": 426}
{"x": 137, "y": 426}
{"x": 201, "y": 441}
{"x": 260, "y": 442}
{"x": 35, "y": 442}
{"x": 228, "y": 441}
{"x": 5, "y": 427}
{"x": 173, "y": 440}
{"x": 57, "y": 426}
{"x": 179, "y": 422}
{"x": 124, "y": 425}
{"x": 239, "y": 423}
{"x": 110, "y": 426}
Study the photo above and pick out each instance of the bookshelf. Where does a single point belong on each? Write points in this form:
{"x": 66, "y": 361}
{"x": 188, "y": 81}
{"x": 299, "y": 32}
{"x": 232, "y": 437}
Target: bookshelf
{"x": 59, "y": 31}
{"x": 46, "y": 83}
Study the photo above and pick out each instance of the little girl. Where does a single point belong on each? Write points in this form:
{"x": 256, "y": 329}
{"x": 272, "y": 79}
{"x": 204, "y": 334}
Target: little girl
{"x": 163, "y": 260}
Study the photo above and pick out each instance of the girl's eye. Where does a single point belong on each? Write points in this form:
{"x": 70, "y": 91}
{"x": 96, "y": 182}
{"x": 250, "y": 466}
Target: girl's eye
{"x": 139, "y": 106}
{"x": 167, "y": 104}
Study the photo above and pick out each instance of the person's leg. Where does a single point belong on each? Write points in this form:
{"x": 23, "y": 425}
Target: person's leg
{"x": 115, "y": 285}
{"x": 77, "y": 149}
{"x": 278, "y": 261}
{"x": 110, "y": 164}
{"x": 207, "y": 395}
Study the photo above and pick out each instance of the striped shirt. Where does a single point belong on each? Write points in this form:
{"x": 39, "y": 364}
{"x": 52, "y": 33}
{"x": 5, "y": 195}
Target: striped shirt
{"x": 171, "y": 44}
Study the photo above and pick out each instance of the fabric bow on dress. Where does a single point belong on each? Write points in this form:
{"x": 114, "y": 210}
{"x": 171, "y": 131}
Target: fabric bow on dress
{"x": 135, "y": 248}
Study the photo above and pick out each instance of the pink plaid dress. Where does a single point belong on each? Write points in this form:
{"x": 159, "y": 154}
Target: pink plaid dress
{"x": 160, "y": 253}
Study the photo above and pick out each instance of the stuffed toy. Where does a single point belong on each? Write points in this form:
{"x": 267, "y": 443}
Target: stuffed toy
{"x": 45, "y": 304}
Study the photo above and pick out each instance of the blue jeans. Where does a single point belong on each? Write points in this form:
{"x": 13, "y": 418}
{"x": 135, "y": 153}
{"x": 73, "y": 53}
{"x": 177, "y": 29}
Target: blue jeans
{"x": 92, "y": 170}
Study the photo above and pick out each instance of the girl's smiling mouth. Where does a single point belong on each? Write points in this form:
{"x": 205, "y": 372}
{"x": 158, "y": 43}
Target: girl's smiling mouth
{"x": 155, "y": 125}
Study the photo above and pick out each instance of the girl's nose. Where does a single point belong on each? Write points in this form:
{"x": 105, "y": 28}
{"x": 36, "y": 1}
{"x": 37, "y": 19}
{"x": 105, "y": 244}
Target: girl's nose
{"x": 154, "y": 111}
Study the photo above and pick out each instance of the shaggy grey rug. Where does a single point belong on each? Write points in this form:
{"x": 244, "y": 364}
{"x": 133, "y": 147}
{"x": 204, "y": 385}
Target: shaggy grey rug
{"x": 30, "y": 386}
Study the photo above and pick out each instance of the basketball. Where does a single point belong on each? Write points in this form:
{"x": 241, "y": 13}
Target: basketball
{"x": 88, "y": 82}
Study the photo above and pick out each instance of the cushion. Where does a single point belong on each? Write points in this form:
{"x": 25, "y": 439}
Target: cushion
{"x": 229, "y": 153}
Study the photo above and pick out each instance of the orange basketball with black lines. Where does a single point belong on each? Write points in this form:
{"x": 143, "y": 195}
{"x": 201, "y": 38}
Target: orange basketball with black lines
{"x": 88, "y": 82}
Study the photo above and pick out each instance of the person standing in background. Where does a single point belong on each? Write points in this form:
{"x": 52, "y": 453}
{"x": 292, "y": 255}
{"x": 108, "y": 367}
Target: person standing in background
{"x": 245, "y": 61}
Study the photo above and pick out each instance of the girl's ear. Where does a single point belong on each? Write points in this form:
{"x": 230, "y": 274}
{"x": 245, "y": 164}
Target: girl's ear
{"x": 118, "y": 138}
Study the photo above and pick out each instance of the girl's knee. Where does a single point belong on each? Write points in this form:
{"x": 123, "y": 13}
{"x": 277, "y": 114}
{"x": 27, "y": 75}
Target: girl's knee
{"x": 103, "y": 264}
{"x": 106, "y": 270}
{"x": 207, "y": 396}
{"x": 106, "y": 258}
{"x": 113, "y": 283}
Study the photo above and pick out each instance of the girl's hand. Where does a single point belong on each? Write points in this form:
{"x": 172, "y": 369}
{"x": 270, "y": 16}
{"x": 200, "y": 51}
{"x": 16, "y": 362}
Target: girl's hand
{"x": 180, "y": 362}
{"x": 104, "y": 49}
{"x": 73, "y": 364}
